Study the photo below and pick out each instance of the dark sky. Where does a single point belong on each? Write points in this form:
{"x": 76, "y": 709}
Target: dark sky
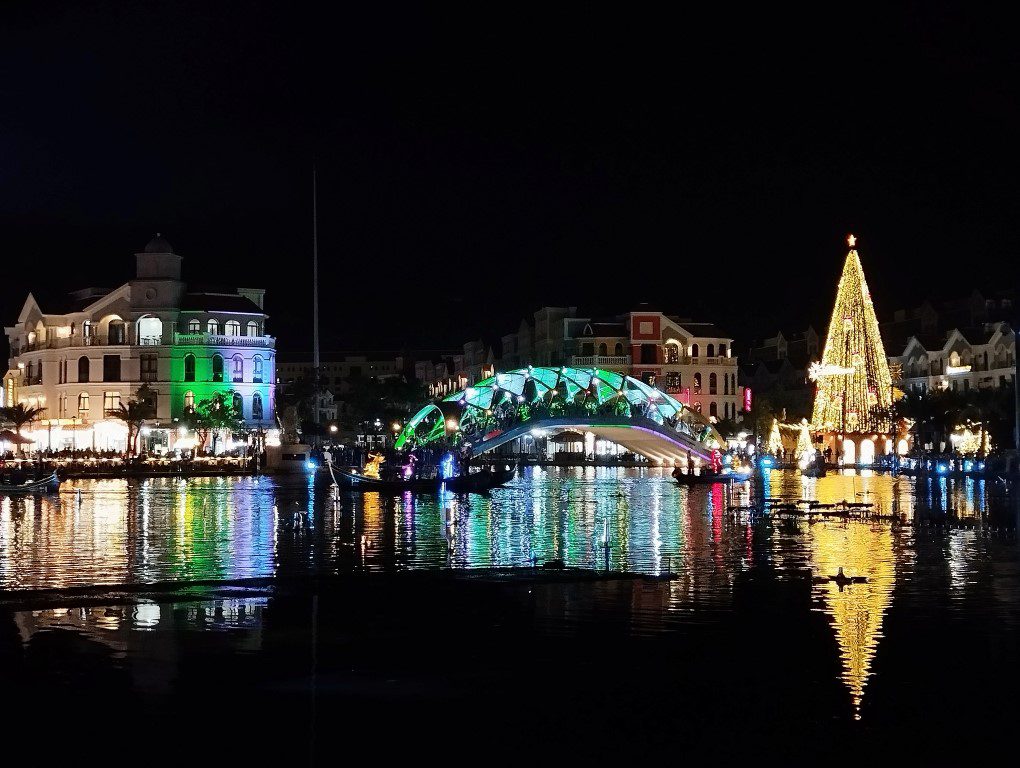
{"x": 474, "y": 167}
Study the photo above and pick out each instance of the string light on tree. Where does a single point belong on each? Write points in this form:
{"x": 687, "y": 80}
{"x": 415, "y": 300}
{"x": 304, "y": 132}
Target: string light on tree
{"x": 854, "y": 387}
{"x": 775, "y": 442}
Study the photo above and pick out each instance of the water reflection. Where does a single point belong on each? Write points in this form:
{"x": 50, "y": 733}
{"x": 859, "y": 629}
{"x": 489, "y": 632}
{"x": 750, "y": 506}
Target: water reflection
{"x": 856, "y": 610}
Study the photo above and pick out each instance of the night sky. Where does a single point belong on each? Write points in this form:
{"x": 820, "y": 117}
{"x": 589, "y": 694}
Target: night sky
{"x": 475, "y": 167}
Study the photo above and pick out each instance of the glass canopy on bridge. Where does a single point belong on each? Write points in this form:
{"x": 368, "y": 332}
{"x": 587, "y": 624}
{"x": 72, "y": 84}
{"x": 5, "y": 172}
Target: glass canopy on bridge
{"x": 526, "y": 394}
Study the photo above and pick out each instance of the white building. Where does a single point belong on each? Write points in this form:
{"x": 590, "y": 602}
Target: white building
{"x": 93, "y": 355}
{"x": 962, "y": 360}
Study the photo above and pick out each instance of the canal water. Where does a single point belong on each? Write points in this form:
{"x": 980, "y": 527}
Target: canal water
{"x": 750, "y": 650}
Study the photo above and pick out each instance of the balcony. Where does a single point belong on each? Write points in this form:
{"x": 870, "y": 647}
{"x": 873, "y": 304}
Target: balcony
{"x": 600, "y": 361}
{"x": 216, "y": 340}
{"x": 727, "y": 361}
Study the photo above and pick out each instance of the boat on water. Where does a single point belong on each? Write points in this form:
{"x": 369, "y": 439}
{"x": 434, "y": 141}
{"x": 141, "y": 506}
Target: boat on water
{"x": 473, "y": 482}
{"x": 46, "y": 484}
{"x": 707, "y": 479}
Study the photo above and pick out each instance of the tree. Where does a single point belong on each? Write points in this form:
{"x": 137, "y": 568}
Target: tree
{"x": 854, "y": 383}
{"x": 210, "y": 417}
{"x": 137, "y": 411}
{"x": 20, "y": 416}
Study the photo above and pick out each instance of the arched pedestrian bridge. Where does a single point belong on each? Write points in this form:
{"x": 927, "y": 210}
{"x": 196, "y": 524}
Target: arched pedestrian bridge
{"x": 612, "y": 406}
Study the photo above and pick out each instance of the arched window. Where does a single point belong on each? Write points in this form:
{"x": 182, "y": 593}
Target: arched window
{"x": 217, "y": 368}
{"x": 618, "y": 350}
{"x": 238, "y": 405}
{"x": 256, "y": 369}
{"x": 713, "y": 409}
{"x": 189, "y": 367}
{"x": 194, "y": 325}
{"x": 713, "y": 383}
{"x": 671, "y": 353}
{"x": 116, "y": 332}
{"x": 189, "y": 401}
{"x": 711, "y": 350}
{"x": 253, "y": 328}
{"x": 697, "y": 407}
{"x": 256, "y": 407}
{"x": 232, "y": 328}
{"x": 694, "y": 350}
{"x": 603, "y": 350}
{"x": 722, "y": 350}
{"x": 238, "y": 369}
{"x": 86, "y": 329}
{"x": 83, "y": 369}
{"x": 83, "y": 404}
{"x": 697, "y": 383}
{"x": 212, "y": 327}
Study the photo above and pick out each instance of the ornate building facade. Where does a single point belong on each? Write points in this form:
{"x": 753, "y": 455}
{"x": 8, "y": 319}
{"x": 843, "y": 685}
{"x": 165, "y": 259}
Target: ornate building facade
{"x": 184, "y": 345}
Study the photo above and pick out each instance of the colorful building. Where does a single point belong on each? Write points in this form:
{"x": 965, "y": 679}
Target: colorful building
{"x": 186, "y": 345}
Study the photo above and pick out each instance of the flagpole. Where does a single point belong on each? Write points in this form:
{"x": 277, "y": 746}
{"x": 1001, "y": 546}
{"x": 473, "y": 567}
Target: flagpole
{"x": 315, "y": 289}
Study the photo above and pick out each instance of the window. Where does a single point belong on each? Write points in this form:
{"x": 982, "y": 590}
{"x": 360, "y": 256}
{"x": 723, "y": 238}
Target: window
{"x": 86, "y": 329}
{"x": 232, "y": 328}
{"x": 713, "y": 409}
{"x": 217, "y": 368}
{"x": 673, "y": 383}
{"x": 194, "y": 325}
{"x": 697, "y": 383}
{"x": 648, "y": 378}
{"x": 618, "y": 350}
{"x": 149, "y": 367}
{"x": 649, "y": 354}
{"x": 212, "y": 327}
{"x": 713, "y": 384}
{"x": 672, "y": 354}
{"x": 238, "y": 369}
{"x": 238, "y": 405}
{"x": 722, "y": 350}
{"x": 711, "y": 350}
{"x": 111, "y": 401}
{"x": 603, "y": 350}
{"x": 189, "y": 402}
{"x": 587, "y": 349}
{"x": 697, "y": 407}
{"x": 256, "y": 369}
{"x": 116, "y": 332}
{"x": 256, "y": 407}
{"x": 694, "y": 350}
{"x": 253, "y": 328}
{"x": 189, "y": 367}
{"x": 83, "y": 405}
{"x": 111, "y": 367}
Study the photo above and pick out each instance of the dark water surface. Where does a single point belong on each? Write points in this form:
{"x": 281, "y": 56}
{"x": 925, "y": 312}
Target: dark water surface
{"x": 749, "y": 653}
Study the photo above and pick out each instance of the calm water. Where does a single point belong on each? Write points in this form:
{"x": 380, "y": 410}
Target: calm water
{"x": 750, "y": 621}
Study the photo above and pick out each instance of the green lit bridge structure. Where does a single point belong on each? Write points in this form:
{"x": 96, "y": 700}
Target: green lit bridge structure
{"x": 610, "y": 405}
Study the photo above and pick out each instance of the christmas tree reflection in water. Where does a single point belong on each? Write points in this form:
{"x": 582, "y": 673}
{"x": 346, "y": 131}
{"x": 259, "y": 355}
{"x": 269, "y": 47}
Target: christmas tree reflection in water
{"x": 856, "y": 610}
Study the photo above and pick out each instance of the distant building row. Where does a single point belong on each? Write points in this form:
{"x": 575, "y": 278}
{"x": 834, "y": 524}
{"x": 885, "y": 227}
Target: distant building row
{"x": 694, "y": 362}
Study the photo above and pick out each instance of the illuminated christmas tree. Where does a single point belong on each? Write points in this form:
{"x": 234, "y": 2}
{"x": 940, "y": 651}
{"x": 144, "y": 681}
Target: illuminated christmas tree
{"x": 854, "y": 391}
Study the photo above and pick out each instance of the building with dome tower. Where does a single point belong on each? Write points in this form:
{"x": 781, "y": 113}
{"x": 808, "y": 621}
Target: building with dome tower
{"x": 81, "y": 360}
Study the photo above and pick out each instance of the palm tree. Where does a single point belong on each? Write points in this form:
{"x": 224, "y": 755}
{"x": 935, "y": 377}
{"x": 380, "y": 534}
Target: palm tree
{"x": 134, "y": 414}
{"x": 20, "y": 416}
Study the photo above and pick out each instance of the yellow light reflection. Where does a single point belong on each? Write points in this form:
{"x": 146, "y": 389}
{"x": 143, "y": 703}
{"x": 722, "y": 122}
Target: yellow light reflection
{"x": 856, "y": 610}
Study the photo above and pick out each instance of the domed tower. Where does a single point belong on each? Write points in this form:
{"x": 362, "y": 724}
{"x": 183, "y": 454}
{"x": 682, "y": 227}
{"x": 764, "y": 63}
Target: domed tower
{"x": 158, "y": 261}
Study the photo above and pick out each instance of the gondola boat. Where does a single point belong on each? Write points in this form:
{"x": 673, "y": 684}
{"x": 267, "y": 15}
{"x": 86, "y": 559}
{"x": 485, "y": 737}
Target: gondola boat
{"x": 41, "y": 485}
{"x": 475, "y": 482}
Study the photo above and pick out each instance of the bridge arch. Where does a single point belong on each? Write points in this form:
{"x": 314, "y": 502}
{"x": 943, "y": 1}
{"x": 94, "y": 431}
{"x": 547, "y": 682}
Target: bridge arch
{"x": 613, "y": 406}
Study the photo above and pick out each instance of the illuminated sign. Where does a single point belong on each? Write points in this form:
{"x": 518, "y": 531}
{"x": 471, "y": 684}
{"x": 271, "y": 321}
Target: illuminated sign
{"x": 747, "y": 399}
{"x": 954, "y": 369}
